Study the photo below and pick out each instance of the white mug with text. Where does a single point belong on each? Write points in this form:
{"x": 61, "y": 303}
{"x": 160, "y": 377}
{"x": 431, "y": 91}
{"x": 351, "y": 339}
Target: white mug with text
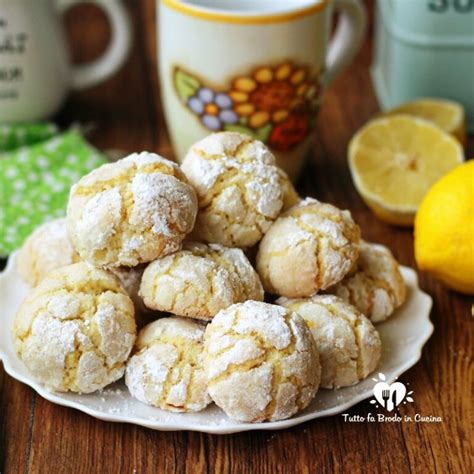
{"x": 35, "y": 72}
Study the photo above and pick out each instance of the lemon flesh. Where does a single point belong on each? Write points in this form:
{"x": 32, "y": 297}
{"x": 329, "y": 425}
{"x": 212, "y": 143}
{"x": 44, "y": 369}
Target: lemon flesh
{"x": 394, "y": 160}
{"x": 446, "y": 114}
{"x": 444, "y": 230}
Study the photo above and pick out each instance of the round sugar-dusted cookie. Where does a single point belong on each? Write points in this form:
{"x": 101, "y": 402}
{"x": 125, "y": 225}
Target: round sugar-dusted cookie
{"x": 261, "y": 362}
{"x": 75, "y": 331}
{"x": 310, "y": 247}
{"x": 46, "y": 249}
{"x": 131, "y": 211}
{"x": 349, "y": 346}
{"x": 166, "y": 368}
{"x": 199, "y": 281}
{"x": 376, "y": 288}
{"x": 240, "y": 189}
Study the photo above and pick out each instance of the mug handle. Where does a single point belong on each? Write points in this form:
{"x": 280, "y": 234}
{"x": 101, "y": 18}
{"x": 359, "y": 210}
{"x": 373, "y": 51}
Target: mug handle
{"x": 348, "y": 37}
{"x": 88, "y": 75}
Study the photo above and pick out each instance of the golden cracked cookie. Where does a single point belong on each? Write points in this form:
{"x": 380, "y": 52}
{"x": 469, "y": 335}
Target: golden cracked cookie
{"x": 166, "y": 368}
{"x": 240, "y": 189}
{"x": 46, "y": 249}
{"x": 131, "y": 211}
{"x": 310, "y": 247}
{"x": 199, "y": 281}
{"x": 377, "y": 287}
{"x": 349, "y": 345}
{"x": 261, "y": 362}
{"x": 75, "y": 331}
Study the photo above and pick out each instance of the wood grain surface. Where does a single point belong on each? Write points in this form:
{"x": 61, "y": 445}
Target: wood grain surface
{"x": 39, "y": 437}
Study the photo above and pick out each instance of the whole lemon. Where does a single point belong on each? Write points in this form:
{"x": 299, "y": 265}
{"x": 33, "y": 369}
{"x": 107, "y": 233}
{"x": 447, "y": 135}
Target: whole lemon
{"x": 444, "y": 229}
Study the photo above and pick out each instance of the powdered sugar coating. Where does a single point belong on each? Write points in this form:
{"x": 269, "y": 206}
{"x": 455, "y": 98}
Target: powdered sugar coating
{"x": 308, "y": 248}
{"x": 131, "y": 211}
{"x": 377, "y": 287}
{"x": 46, "y": 249}
{"x": 76, "y": 329}
{"x": 165, "y": 370}
{"x": 239, "y": 187}
{"x": 349, "y": 345}
{"x": 261, "y": 362}
{"x": 199, "y": 281}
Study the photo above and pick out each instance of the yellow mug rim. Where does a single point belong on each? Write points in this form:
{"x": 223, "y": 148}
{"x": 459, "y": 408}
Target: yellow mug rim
{"x": 259, "y": 18}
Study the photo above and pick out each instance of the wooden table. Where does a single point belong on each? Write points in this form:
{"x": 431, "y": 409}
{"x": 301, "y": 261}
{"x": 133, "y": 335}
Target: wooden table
{"x": 39, "y": 437}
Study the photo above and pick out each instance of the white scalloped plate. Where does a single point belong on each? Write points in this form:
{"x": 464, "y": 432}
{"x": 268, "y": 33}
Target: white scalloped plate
{"x": 403, "y": 337}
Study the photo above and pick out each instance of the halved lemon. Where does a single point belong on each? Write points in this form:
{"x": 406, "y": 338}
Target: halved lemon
{"x": 394, "y": 160}
{"x": 446, "y": 114}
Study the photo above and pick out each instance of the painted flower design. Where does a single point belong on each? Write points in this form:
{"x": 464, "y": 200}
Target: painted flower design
{"x": 215, "y": 109}
{"x": 269, "y": 95}
{"x": 272, "y": 104}
{"x": 290, "y": 133}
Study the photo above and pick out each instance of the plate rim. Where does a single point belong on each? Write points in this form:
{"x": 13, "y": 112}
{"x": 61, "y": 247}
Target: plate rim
{"x": 221, "y": 429}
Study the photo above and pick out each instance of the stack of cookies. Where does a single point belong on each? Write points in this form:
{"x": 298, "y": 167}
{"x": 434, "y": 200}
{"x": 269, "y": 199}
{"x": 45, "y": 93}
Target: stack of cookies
{"x": 169, "y": 250}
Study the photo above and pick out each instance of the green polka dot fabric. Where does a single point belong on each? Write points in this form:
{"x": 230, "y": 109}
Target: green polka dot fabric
{"x": 18, "y": 135}
{"x": 35, "y": 182}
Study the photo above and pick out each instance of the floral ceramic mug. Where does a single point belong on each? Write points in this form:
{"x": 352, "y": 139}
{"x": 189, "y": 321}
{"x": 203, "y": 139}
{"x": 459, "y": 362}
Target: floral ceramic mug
{"x": 254, "y": 66}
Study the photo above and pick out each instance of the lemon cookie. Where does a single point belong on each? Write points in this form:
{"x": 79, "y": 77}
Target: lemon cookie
{"x": 377, "y": 287}
{"x": 75, "y": 331}
{"x": 165, "y": 370}
{"x": 310, "y": 247}
{"x": 240, "y": 189}
{"x": 199, "y": 281}
{"x": 46, "y": 249}
{"x": 131, "y": 211}
{"x": 349, "y": 345}
{"x": 261, "y": 362}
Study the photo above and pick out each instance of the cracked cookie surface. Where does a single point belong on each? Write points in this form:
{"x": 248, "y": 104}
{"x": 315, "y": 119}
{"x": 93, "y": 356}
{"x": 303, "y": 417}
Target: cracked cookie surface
{"x": 199, "y": 281}
{"x": 240, "y": 189}
{"x": 376, "y": 288}
{"x": 261, "y": 362}
{"x": 166, "y": 368}
{"x": 310, "y": 247}
{"x": 75, "y": 331}
{"x": 131, "y": 211}
{"x": 349, "y": 346}
{"x": 45, "y": 250}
